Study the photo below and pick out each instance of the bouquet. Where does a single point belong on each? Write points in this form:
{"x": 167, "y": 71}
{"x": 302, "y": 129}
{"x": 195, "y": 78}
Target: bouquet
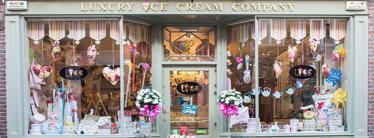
{"x": 229, "y": 102}
{"x": 149, "y": 102}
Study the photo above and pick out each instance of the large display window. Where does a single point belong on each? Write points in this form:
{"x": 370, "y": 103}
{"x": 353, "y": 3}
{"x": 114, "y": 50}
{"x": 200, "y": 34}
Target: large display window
{"x": 302, "y": 75}
{"x": 74, "y": 76}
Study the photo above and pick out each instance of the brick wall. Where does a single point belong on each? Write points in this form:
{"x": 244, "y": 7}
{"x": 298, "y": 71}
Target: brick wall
{"x": 371, "y": 68}
{"x": 3, "y": 122}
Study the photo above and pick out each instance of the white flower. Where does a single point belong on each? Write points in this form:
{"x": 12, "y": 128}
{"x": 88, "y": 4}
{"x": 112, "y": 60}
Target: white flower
{"x": 147, "y": 100}
{"x": 154, "y": 102}
{"x": 227, "y": 102}
{"x": 236, "y": 103}
{"x": 137, "y": 104}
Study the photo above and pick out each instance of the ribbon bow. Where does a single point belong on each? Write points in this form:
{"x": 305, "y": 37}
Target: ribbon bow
{"x": 228, "y": 110}
{"x": 151, "y": 111}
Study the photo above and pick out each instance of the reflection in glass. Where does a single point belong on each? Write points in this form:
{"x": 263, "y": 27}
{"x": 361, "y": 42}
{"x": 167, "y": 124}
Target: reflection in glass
{"x": 189, "y": 102}
{"x": 240, "y": 70}
{"x": 72, "y": 83}
{"x": 300, "y": 100}
{"x": 189, "y": 43}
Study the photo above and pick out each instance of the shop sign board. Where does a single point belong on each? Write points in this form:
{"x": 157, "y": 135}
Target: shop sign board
{"x": 189, "y": 88}
{"x": 302, "y": 72}
{"x": 16, "y": 5}
{"x": 356, "y": 5}
{"x": 73, "y": 72}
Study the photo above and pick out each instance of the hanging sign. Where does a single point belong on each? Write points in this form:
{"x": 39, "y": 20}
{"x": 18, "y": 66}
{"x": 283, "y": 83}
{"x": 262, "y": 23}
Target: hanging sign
{"x": 356, "y": 5}
{"x": 189, "y": 109}
{"x": 16, "y": 5}
{"x": 73, "y": 73}
{"x": 189, "y": 88}
{"x": 302, "y": 72}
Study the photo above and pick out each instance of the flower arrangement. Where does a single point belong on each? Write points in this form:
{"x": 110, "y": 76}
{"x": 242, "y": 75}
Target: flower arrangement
{"x": 229, "y": 102}
{"x": 149, "y": 102}
{"x": 42, "y": 71}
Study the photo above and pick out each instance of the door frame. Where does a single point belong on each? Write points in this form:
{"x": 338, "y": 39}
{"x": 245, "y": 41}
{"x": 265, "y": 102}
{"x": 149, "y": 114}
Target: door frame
{"x": 213, "y": 109}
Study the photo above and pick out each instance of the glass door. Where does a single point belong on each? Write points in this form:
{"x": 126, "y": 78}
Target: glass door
{"x": 189, "y": 102}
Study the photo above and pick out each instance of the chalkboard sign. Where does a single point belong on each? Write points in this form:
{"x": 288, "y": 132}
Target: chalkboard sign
{"x": 302, "y": 72}
{"x": 189, "y": 88}
{"x": 73, "y": 72}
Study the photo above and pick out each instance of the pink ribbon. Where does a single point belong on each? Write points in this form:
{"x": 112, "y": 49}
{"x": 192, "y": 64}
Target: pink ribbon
{"x": 229, "y": 110}
{"x": 151, "y": 111}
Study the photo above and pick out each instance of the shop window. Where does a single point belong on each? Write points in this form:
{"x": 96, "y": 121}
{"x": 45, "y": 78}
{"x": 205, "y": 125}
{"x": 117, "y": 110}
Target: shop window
{"x": 241, "y": 70}
{"x": 302, "y": 75}
{"x": 189, "y": 43}
{"x": 74, "y": 76}
{"x": 138, "y": 58}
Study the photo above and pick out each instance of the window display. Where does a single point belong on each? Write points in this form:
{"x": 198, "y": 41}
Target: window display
{"x": 302, "y": 75}
{"x": 240, "y": 72}
{"x": 189, "y": 43}
{"x": 189, "y": 102}
{"x": 75, "y": 72}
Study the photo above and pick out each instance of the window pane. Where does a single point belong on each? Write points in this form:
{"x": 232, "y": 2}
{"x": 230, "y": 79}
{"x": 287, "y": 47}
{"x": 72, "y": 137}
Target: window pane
{"x": 138, "y": 59}
{"x": 189, "y": 102}
{"x": 74, "y": 83}
{"x": 303, "y": 75}
{"x": 240, "y": 71}
{"x": 189, "y": 43}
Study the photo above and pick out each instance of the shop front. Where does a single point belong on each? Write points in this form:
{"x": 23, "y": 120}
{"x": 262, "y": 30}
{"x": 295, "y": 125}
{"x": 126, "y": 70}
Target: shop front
{"x": 192, "y": 68}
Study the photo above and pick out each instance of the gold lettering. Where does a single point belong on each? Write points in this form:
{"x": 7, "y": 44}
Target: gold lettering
{"x": 92, "y": 7}
{"x": 291, "y": 7}
{"x": 112, "y": 7}
{"x": 84, "y": 7}
{"x": 180, "y": 6}
{"x": 235, "y": 6}
{"x": 274, "y": 8}
{"x": 256, "y": 7}
{"x": 245, "y": 6}
{"x": 208, "y": 7}
{"x": 121, "y": 7}
{"x": 218, "y": 7}
{"x": 189, "y": 7}
{"x": 163, "y": 7}
{"x": 102, "y": 6}
{"x": 154, "y": 6}
{"x": 130, "y": 6}
{"x": 282, "y": 7}
{"x": 198, "y": 6}
{"x": 266, "y": 7}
